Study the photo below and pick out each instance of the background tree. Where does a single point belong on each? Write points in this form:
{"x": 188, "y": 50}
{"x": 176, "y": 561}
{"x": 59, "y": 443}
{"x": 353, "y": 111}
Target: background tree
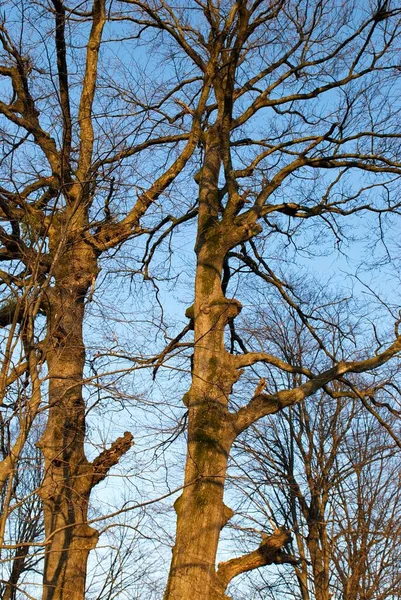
{"x": 21, "y": 524}
{"x": 327, "y": 470}
{"x": 344, "y": 518}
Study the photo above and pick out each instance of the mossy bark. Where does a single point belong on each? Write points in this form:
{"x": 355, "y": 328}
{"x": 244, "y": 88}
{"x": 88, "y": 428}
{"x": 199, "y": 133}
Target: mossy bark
{"x": 201, "y": 512}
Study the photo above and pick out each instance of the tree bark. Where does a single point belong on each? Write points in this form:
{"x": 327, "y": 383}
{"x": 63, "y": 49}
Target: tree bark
{"x": 68, "y": 474}
{"x": 201, "y": 512}
{"x": 69, "y": 477}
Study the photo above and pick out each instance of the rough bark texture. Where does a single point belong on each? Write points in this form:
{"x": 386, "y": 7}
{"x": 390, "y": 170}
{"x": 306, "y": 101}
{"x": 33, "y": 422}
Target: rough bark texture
{"x": 201, "y": 512}
{"x": 67, "y": 481}
{"x": 270, "y": 551}
{"x": 69, "y": 476}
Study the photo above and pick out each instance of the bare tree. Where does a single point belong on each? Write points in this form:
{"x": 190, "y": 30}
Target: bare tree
{"x": 72, "y": 136}
{"x": 293, "y": 113}
{"x": 367, "y": 513}
{"x": 328, "y": 471}
{"x": 286, "y": 113}
{"x": 22, "y": 525}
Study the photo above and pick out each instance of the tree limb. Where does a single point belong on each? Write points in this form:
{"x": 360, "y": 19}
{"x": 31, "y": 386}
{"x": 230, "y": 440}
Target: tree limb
{"x": 110, "y": 457}
{"x": 269, "y": 552}
{"x": 265, "y": 404}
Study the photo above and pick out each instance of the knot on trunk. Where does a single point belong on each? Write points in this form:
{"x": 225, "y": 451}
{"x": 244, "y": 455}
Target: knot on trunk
{"x": 225, "y": 308}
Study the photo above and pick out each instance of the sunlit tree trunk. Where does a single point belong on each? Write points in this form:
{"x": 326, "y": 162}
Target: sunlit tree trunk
{"x": 68, "y": 474}
{"x": 201, "y": 512}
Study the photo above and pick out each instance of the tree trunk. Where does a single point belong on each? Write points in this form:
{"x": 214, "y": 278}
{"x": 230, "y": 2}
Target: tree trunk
{"x": 315, "y": 541}
{"x": 201, "y": 512}
{"x": 68, "y": 477}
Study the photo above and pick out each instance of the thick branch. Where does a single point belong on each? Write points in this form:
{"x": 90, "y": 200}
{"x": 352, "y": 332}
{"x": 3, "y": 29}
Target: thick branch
{"x": 265, "y": 404}
{"x": 62, "y": 69}
{"x": 269, "y": 552}
{"x": 110, "y": 457}
{"x": 88, "y": 90}
{"x": 251, "y": 358}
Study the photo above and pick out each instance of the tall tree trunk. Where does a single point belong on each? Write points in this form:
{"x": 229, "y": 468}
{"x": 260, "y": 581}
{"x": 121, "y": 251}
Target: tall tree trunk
{"x": 201, "y": 512}
{"x": 212, "y": 428}
{"x": 68, "y": 474}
